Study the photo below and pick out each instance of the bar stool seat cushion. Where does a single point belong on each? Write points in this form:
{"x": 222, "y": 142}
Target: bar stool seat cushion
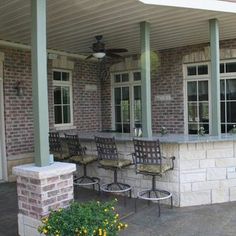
{"x": 85, "y": 159}
{"x": 60, "y": 156}
{"x": 115, "y": 163}
{"x": 153, "y": 169}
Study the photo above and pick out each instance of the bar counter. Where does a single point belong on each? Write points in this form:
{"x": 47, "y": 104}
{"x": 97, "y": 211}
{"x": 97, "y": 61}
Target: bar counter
{"x": 204, "y": 172}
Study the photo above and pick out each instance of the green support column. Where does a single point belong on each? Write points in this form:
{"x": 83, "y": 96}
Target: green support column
{"x": 215, "y": 77}
{"x": 40, "y": 88}
{"x": 146, "y": 79}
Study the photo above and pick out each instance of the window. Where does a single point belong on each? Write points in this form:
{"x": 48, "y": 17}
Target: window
{"x": 197, "y": 90}
{"x": 197, "y": 98}
{"x": 62, "y": 88}
{"x": 127, "y": 101}
{"x": 228, "y": 104}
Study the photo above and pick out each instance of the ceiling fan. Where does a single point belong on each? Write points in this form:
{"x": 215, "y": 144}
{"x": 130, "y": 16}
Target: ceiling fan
{"x": 99, "y": 50}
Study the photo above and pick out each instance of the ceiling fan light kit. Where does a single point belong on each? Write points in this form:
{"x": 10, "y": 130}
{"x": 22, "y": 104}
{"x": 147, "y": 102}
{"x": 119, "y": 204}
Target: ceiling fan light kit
{"x": 99, "y": 55}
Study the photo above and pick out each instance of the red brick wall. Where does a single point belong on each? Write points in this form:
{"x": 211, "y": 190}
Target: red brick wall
{"x": 18, "y": 110}
{"x": 92, "y": 109}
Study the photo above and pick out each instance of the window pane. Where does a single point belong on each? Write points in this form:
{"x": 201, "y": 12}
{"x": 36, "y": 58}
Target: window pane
{"x": 125, "y": 111}
{"x": 119, "y": 128}
{"x": 203, "y": 90}
{"x": 117, "y": 78}
{"x": 137, "y": 76}
{"x": 192, "y": 91}
{"x": 231, "y": 112}
{"x": 222, "y": 90}
{"x": 117, "y": 96}
{"x": 125, "y": 93}
{"x": 192, "y": 128}
{"x": 66, "y": 114}
{"x": 117, "y": 114}
{"x": 58, "y": 114}
{"x": 192, "y": 112}
{"x": 126, "y": 128}
{"x": 231, "y": 89}
{"x": 222, "y": 111}
{"x": 65, "y": 76}
{"x": 203, "y": 70}
{"x": 56, "y": 75}
{"x": 203, "y": 112}
{"x": 125, "y": 77}
{"x": 57, "y": 95}
{"x": 192, "y": 70}
{"x": 230, "y": 67}
{"x": 137, "y": 111}
{"x": 137, "y": 92}
{"x": 222, "y": 128}
{"x": 66, "y": 95}
{"x": 222, "y": 68}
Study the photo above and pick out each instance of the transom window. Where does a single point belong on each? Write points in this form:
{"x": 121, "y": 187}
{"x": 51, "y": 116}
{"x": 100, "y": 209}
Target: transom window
{"x": 198, "y": 103}
{"x": 62, "y": 87}
{"x": 127, "y": 101}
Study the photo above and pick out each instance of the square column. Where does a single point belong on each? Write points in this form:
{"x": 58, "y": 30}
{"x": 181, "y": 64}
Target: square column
{"x": 40, "y": 86}
{"x": 215, "y": 77}
{"x": 41, "y": 189}
{"x": 146, "y": 79}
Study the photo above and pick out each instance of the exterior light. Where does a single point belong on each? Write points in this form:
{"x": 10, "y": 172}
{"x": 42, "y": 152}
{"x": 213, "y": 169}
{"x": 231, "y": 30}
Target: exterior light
{"x": 99, "y": 55}
{"x": 20, "y": 89}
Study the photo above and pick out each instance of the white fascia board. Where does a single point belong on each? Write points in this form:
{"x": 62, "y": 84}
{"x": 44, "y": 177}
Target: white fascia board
{"x": 209, "y": 5}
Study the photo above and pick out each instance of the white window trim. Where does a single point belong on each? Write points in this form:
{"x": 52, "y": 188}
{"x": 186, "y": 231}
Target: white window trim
{"x": 69, "y": 84}
{"x": 186, "y": 78}
{"x": 195, "y": 78}
{"x": 131, "y": 83}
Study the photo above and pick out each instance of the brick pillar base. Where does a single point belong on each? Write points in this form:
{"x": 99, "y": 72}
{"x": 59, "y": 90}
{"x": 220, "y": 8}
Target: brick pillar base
{"x": 40, "y": 189}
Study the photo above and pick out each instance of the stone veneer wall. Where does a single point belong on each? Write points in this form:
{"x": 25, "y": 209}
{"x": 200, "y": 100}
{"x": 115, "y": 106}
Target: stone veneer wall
{"x": 204, "y": 173}
{"x": 18, "y": 110}
{"x": 170, "y": 181}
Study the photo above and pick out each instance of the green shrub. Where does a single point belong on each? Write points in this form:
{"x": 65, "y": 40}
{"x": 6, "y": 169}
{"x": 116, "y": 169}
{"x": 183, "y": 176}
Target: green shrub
{"x": 83, "y": 219}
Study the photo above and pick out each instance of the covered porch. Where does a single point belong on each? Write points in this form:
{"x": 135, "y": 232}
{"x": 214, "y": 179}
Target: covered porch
{"x": 177, "y": 75}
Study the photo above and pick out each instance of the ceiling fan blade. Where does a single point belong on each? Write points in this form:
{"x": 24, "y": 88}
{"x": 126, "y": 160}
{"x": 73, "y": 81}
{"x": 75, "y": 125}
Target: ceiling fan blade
{"x": 113, "y": 55}
{"x": 88, "y": 57}
{"x": 116, "y": 50}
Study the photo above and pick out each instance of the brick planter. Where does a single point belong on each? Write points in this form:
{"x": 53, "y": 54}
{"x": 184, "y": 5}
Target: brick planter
{"x": 40, "y": 189}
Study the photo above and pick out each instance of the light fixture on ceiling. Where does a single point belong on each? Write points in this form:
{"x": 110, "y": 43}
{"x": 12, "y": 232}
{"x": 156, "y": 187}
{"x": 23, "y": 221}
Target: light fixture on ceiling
{"x": 99, "y": 55}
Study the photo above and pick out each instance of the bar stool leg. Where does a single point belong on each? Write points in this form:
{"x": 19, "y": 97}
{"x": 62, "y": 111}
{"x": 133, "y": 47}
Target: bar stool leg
{"x": 159, "y": 209}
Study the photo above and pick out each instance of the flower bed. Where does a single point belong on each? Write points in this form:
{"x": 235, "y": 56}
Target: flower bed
{"x": 80, "y": 219}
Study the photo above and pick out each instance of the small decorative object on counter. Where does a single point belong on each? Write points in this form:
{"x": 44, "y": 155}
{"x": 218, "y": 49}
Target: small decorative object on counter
{"x": 137, "y": 132}
{"x": 163, "y": 131}
{"x": 201, "y": 131}
{"x": 233, "y": 130}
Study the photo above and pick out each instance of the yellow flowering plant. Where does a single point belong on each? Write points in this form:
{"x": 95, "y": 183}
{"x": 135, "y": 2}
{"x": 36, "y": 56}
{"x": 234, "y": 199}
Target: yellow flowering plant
{"x": 83, "y": 219}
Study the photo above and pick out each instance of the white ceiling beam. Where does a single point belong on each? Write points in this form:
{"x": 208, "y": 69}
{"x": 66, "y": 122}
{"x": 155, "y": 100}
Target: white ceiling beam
{"x": 209, "y": 5}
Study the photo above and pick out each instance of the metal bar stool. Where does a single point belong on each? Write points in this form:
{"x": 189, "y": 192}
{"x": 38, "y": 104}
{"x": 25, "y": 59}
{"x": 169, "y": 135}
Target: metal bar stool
{"x": 109, "y": 159}
{"x": 56, "y": 147}
{"x": 79, "y": 157}
{"x": 149, "y": 161}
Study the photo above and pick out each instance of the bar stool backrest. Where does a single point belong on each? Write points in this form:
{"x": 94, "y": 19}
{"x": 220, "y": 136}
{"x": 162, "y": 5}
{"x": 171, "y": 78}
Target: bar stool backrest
{"x": 74, "y": 146}
{"x": 147, "y": 152}
{"x": 106, "y": 148}
{"x": 55, "y": 142}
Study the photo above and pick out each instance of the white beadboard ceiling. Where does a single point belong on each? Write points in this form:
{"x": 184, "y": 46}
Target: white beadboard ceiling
{"x": 72, "y": 24}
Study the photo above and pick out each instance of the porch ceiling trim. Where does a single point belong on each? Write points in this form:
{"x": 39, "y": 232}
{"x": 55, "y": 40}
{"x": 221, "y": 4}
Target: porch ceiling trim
{"x": 210, "y": 5}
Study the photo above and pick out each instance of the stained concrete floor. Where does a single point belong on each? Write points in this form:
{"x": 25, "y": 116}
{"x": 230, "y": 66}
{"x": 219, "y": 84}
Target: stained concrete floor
{"x": 214, "y": 220}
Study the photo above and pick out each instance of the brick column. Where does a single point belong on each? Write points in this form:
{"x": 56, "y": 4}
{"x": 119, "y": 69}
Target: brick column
{"x": 40, "y": 189}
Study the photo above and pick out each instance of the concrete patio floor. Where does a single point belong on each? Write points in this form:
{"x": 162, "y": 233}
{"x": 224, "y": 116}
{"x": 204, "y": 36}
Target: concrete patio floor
{"x": 214, "y": 220}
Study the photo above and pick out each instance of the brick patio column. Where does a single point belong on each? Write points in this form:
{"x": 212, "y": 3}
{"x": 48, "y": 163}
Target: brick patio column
{"x": 40, "y": 189}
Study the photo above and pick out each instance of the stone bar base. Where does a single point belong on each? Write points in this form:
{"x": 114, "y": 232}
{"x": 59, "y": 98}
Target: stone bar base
{"x": 204, "y": 173}
{"x": 41, "y": 189}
